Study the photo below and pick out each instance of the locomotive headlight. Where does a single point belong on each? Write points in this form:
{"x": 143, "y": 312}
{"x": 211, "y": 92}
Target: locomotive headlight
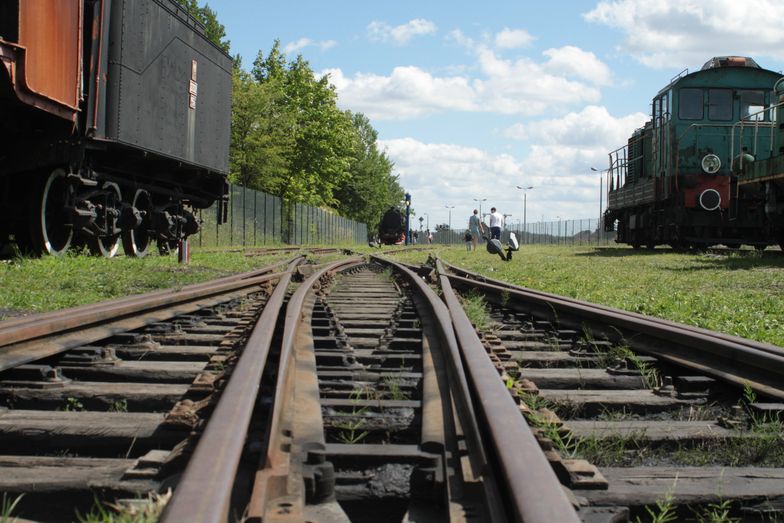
{"x": 711, "y": 163}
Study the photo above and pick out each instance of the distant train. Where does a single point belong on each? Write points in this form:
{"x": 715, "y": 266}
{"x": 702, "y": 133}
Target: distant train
{"x": 679, "y": 181}
{"x": 114, "y": 124}
{"x": 392, "y": 229}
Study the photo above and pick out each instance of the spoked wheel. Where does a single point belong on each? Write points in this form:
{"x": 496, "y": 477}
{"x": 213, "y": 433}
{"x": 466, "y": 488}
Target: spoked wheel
{"x": 136, "y": 241}
{"x": 106, "y": 245}
{"x": 51, "y": 228}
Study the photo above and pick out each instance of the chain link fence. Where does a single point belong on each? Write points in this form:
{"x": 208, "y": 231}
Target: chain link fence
{"x": 255, "y": 218}
{"x": 562, "y": 232}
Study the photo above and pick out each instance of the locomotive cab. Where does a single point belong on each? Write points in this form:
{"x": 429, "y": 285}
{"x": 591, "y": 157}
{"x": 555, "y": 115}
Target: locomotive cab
{"x": 673, "y": 181}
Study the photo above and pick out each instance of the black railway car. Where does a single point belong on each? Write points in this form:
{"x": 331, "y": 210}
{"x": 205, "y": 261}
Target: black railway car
{"x": 392, "y": 229}
{"x": 674, "y": 182}
{"x": 114, "y": 124}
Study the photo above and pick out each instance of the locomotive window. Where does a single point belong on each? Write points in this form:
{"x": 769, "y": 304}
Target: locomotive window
{"x": 719, "y": 104}
{"x": 665, "y": 106}
{"x": 656, "y": 112}
{"x": 752, "y": 102}
{"x": 690, "y": 104}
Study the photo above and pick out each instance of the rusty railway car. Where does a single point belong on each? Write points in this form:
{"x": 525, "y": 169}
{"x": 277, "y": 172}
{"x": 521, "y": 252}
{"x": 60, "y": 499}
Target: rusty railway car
{"x": 114, "y": 124}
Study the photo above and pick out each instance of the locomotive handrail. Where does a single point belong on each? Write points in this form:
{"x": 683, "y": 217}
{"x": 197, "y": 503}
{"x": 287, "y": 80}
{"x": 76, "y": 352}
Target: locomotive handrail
{"x": 749, "y": 121}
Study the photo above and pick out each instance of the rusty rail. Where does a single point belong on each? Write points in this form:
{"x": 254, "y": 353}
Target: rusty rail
{"x": 464, "y": 403}
{"x": 535, "y": 494}
{"x": 277, "y": 461}
{"x": 204, "y": 492}
{"x": 730, "y": 358}
{"x": 43, "y": 335}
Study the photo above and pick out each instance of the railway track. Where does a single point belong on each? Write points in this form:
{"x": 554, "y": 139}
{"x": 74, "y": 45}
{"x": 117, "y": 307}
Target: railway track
{"x": 356, "y": 391}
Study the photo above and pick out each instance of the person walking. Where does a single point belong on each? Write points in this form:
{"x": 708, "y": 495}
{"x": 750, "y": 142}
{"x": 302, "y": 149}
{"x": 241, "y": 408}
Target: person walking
{"x": 496, "y": 221}
{"x": 475, "y": 227}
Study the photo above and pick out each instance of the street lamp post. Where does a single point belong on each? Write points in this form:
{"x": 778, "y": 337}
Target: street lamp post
{"x": 450, "y": 207}
{"x": 480, "y": 206}
{"x": 428, "y": 221}
{"x": 601, "y": 194}
{"x": 524, "y": 189}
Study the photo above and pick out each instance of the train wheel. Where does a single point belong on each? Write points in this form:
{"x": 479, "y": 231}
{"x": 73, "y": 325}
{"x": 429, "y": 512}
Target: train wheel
{"x": 107, "y": 245}
{"x": 51, "y": 229}
{"x": 136, "y": 242}
{"x": 167, "y": 247}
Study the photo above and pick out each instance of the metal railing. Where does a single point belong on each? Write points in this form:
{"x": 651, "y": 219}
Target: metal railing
{"x": 255, "y": 218}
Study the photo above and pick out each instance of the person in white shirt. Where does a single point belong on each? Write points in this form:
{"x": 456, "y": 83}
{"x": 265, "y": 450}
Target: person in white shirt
{"x": 496, "y": 221}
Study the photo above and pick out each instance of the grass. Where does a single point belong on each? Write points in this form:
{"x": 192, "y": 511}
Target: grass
{"x": 144, "y": 511}
{"x": 739, "y": 293}
{"x": 29, "y": 285}
{"x": 8, "y": 507}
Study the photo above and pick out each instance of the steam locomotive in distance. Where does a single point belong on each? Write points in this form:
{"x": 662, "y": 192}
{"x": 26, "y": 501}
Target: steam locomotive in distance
{"x": 114, "y": 124}
{"x": 392, "y": 229}
{"x": 678, "y": 181}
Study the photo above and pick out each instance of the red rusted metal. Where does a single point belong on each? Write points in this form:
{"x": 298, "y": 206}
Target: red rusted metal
{"x": 45, "y": 65}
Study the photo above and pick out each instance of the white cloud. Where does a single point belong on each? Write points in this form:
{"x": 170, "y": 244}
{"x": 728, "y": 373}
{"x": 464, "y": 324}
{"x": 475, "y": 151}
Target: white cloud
{"x": 591, "y": 128}
{"x": 564, "y": 185}
{"x": 513, "y": 38}
{"x": 570, "y": 60}
{"x": 298, "y": 45}
{"x": 401, "y": 34}
{"x": 504, "y": 86}
{"x": 680, "y": 33}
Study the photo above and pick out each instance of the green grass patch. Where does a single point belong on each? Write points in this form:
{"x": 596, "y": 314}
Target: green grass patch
{"x": 29, "y": 285}
{"x": 739, "y": 293}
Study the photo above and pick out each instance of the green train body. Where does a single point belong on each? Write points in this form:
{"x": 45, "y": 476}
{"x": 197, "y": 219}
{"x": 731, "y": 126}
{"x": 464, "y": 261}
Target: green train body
{"x": 760, "y": 169}
{"x": 673, "y": 183}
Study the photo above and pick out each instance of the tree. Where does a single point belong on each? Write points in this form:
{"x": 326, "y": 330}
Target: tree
{"x": 371, "y": 188}
{"x": 260, "y": 134}
{"x": 214, "y": 30}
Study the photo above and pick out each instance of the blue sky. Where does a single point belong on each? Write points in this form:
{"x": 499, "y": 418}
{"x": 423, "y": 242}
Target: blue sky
{"x": 471, "y": 99}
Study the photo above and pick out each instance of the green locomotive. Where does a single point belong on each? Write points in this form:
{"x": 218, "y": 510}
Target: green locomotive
{"x": 676, "y": 181}
{"x": 760, "y": 169}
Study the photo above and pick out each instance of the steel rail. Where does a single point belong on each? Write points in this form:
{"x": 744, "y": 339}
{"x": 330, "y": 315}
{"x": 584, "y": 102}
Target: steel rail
{"x": 276, "y": 462}
{"x": 204, "y": 492}
{"x": 49, "y": 334}
{"x": 773, "y": 349}
{"x": 535, "y": 492}
{"x": 463, "y": 403}
{"x": 459, "y": 382}
{"x": 47, "y": 338}
{"x": 726, "y": 357}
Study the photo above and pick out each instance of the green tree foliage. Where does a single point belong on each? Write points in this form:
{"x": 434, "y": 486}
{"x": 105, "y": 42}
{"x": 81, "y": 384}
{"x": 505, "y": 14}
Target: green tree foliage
{"x": 289, "y": 138}
{"x": 371, "y": 187}
{"x": 214, "y": 30}
{"x": 261, "y": 140}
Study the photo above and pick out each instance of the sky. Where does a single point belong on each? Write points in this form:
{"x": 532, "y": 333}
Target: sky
{"x": 472, "y": 99}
